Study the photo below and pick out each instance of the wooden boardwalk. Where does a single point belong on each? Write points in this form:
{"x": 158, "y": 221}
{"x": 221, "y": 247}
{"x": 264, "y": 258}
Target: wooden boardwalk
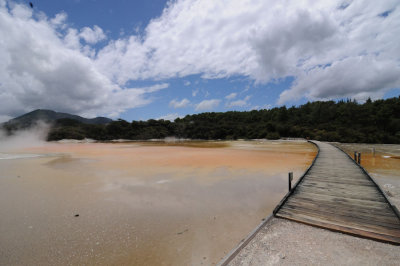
{"x": 335, "y": 193}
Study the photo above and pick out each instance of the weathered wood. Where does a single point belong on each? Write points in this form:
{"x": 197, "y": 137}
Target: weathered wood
{"x": 334, "y": 201}
{"x": 290, "y": 180}
{"x": 338, "y": 194}
{"x": 346, "y": 214}
{"x": 346, "y": 209}
{"x": 339, "y": 181}
{"x": 350, "y": 223}
{"x": 341, "y": 193}
{"x": 343, "y": 229}
{"x": 356, "y": 186}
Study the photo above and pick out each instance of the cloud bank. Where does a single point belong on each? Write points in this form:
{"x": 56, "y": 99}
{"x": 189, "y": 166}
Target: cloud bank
{"x": 239, "y": 103}
{"x": 47, "y": 64}
{"x": 179, "y": 104}
{"x": 231, "y": 96}
{"x": 207, "y": 105}
{"x": 332, "y": 49}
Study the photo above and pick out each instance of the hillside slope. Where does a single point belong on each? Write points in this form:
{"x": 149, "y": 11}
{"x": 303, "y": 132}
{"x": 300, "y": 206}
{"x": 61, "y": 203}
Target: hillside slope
{"x": 49, "y": 116}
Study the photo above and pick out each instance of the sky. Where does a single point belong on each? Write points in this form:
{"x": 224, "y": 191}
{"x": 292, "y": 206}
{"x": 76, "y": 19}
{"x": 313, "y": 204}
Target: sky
{"x": 140, "y": 60}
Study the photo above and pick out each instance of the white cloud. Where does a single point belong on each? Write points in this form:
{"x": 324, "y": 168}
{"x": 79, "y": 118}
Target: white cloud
{"x": 187, "y": 83}
{"x": 43, "y": 67}
{"x": 92, "y": 36}
{"x": 231, "y": 96}
{"x": 330, "y": 51}
{"x": 179, "y": 104}
{"x": 239, "y": 103}
{"x": 323, "y": 83}
{"x": 207, "y": 105}
{"x": 265, "y": 41}
{"x": 59, "y": 19}
{"x": 170, "y": 117}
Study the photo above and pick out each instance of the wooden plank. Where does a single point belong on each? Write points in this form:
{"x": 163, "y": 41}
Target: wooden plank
{"x": 340, "y": 200}
{"x": 337, "y": 190}
{"x": 322, "y": 188}
{"x": 321, "y": 166}
{"x": 338, "y": 174}
{"x": 337, "y": 193}
{"x": 385, "y": 210}
{"x": 343, "y": 229}
{"x": 345, "y": 206}
{"x": 345, "y": 223}
{"x": 339, "y": 185}
{"x": 388, "y": 221}
{"x": 340, "y": 179}
{"x": 343, "y": 217}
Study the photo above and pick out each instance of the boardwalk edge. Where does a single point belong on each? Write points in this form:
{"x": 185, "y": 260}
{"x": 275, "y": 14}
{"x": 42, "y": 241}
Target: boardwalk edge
{"x": 232, "y": 254}
{"x": 283, "y": 201}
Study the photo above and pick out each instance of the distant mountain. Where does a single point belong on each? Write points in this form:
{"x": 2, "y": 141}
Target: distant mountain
{"x": 50, "y": 116}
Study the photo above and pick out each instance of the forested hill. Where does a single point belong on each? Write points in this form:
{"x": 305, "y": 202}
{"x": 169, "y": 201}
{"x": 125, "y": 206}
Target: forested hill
{"x": 48, "y": 116}
{"x": 344, "y": 121}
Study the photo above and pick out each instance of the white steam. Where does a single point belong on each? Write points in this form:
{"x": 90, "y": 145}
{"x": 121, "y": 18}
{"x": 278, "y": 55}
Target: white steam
{"x": 24, "y": 138}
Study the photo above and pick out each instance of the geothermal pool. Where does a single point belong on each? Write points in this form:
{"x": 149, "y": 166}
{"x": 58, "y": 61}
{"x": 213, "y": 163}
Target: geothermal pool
{"x": 140, "y": 203}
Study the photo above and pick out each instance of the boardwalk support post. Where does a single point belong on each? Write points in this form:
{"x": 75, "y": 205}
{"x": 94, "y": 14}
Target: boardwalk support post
{"x": 359, "y": 158}
{"x": 290, "y": 180}
{"x": 355, "y": 156}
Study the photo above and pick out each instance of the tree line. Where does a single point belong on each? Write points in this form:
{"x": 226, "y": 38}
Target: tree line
{"x": 343, "y": 121}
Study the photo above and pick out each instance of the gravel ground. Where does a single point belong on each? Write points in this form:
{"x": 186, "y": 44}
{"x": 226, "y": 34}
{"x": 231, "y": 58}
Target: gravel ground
{"x": 282, "y": 242}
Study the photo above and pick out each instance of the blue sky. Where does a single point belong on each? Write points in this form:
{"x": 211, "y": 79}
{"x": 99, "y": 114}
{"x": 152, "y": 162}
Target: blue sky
{"x": 112, "y": 16}
{"x": 138, "y": 60}
{"x": 124, "y": 18}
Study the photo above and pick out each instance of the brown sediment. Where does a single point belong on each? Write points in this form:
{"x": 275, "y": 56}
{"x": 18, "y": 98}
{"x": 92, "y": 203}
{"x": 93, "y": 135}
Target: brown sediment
{"x": 140, "y": 203}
